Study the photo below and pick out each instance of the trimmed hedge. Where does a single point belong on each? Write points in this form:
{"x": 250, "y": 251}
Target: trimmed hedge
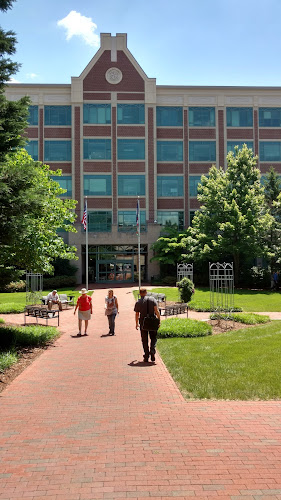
{"x": 22, "y": 336}
{"x": 183, "y": 327}
{"x": 196, "y": 306}
{"x": 59, "y": 282}
{"x": 246, "y": 318}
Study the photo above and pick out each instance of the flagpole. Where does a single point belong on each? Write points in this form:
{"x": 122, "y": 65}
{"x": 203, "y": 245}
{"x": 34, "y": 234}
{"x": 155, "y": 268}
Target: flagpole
{"x": 87, "y": 250}
{"x": 139, "y": 259}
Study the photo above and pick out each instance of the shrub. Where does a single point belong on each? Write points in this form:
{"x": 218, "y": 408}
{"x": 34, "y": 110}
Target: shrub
{"x": 183, "y": 327}
{"x": 11, "y": 308}
{"x": 2, "y": 320}
{"x": 196, "y": 306}
{"x": 169, "y": 280}
{"x": 16, "y": 286}
{"x": 246, "y": 318}
{"x": 7, "y": 359}
{"x": 186, "y": 288}
{"x": 22, "y": 336}
{"x": 59, "y": 282}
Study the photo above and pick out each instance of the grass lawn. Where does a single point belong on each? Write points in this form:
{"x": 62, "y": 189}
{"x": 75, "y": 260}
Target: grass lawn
{"x": 238, "y": 365}
{"x": 248, "y": 300}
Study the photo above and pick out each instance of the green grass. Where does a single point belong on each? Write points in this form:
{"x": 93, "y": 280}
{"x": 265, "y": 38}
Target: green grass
{"x": 7, "y": 359}
{"x": 183, "y": 327}
{"x": 238, "y": 365}
{"x": 246, "y": 318}
{"x": 248, "y": 300}
{"x": 11, "y": 303}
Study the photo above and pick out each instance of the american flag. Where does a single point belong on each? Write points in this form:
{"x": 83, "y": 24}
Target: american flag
{"x": 84, "y": 218}
{"x": 138, "y": 216}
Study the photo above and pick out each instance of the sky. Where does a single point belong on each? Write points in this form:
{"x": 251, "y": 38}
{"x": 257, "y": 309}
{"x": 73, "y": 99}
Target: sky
{"x": 178, "y": 42}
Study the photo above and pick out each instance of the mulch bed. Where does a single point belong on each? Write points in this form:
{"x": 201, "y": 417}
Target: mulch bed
{"x": 26, "y": 356}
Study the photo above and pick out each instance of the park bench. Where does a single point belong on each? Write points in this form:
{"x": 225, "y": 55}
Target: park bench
{"x": 174, "y": 310}
{"x": 41, "y": 313}
{"x": 160, "y": 297}
{"x": 66, "y": 300}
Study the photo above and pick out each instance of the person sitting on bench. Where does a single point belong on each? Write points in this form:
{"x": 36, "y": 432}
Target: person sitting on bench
{"x": 53, "y": 298}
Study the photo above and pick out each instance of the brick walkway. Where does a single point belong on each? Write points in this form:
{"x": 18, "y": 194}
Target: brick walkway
{"x": 88, "y": 420}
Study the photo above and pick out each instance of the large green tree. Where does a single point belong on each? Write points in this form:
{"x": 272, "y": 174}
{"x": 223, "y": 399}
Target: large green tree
{"x": 31, "y": 213}
{"x": 233, "y": 219}
{"x": 272, "y": 189}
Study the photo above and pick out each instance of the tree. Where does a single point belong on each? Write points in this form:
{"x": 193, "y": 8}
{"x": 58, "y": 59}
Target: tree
{"x": 31, "y": 213}
{"x": 13, "y": 114}
{"x": 234, "y": 219}
{"x": 167, "y": 249}
{"x": 272, "y": 188}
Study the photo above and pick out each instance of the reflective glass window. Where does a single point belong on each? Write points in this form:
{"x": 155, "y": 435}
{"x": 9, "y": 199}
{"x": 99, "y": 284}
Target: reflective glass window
{"x": 191, "y": 216}
{"x": 239, "y": 117}
{"x": 65, "y": 182}
{"x": 270, "y": 117}
{"x": 130, "y": 113}
{"x": 57, "y": 115}
{"x": 127, "y": 220}
{"x": 170, "y": 218}
{"x": 169, "y": 116}
{"x": 97, "y": 113}
{"x": 100, "y": 221}
{"x": 97, "y": 149}
{"x": 231, "y": 145}
{"x": 270, "y": 151}
{"x": 32, "y": 149}
{"x": 131, "y": 185}
{"x": 169, "y": 186}
{"x": 169, "y": 151}
{"x": 57, "y": 151}
{"x": 131, "y": 149}
{"x": 194, "y": 180}
{"x": 201, "y": 117}
{"x": 202, "y": 150}
{"x": 97, "y": 185}
{"x": 33, "y": 115}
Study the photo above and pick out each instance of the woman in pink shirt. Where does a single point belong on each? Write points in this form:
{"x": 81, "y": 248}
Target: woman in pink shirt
{"x": 85, "y": 309}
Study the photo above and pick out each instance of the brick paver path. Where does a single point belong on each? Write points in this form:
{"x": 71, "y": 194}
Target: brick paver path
{"x": 88, "y": 420}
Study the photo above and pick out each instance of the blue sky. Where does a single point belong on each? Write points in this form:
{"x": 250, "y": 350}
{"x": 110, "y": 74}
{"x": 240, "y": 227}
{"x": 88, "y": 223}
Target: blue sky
{"x": 179, "y": 42}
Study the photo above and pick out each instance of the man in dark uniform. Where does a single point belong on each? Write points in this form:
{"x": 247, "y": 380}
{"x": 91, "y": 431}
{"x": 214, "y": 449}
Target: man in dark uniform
{"x": 143, "y": 307}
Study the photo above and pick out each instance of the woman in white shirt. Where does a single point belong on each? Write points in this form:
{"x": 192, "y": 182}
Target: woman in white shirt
{"x": 111, "y": 310}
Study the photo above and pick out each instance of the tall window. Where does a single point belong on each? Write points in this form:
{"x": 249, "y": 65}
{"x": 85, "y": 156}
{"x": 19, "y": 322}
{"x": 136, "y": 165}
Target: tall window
{"x": 169, "y": 116}
{"x": 97, "y": 113}
{"x": 33, "y": 115}
{"x": 239, "y": 117}
{"x": 57, "y": 115}
{"x": 100, "y": 221}
{"x": 169, "y": 186}
{"x": 170, "y": 218}
{"x": 169, "y": 151}
{"x": 130, "y": 113}
{"x": 194, "y": 180}
{"x": 131, "y": 185}
{"x": 131, "y": 149}
{"x": 32, "y": 149}
{"x": 65, "y": 182}
{"x": 270, "y": 151}
{"x": 191, "y": 216}
{"x": 202, "y": 151}
{"x": 201, "y": 117}
{"x": 231, "y": 145}
{"x": 97, "y": 149}
{"x": 270, "y": 117}
{"x": 97, "y": 185}
{"x": 57, "y": 151}
{"x": 127, "y": 220}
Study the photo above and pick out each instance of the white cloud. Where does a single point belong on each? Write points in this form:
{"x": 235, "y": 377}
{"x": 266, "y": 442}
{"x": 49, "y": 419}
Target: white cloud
{"x": 13, "y": 80}
{"x": 77, "y": 25}
{"x": 31, "y": 76}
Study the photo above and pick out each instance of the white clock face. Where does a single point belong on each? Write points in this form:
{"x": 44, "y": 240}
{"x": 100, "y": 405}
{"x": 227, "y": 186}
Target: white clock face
{"x": 113, "y": 75}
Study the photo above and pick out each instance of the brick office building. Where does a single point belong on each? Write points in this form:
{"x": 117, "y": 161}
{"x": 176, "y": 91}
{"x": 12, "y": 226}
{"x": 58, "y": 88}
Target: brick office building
{"x": 116, "y": 135}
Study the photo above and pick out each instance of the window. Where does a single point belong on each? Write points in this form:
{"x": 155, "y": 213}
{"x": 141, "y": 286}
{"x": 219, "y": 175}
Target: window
{"x": 270, "y": 117}
{"x": 127, "y": 220}
{"x": 168, "y": 116}
{"x": 131, "y": 185}
{"x": 99, "y": 222}
{"x": 169, "y": 151}
{"x": 130, "y": 113}
{"x": 202, "y": 151}
{"x": 239, "y": 117}
{"x": 97, "y": 185}
{"x": 97, "y": 113}
{"x": 97, "y": 149}
{"x": 32, "y": 149}
{"x": 191, "y": 216}
{"x": 65, "y": 182}
{"x": 232, "y": 144}
{"x": 201, "y": 117}
{"x": 57, "y": 115}
{"x": 270, "y": 151}
{"x": 131, "y": 149}
{"x": 170, "y": 219}
{"x": 169, "y": 186}
{"x": 194, "y": 180}
{"x": 57, "y": 151}
{"x": 33, "y": 115}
